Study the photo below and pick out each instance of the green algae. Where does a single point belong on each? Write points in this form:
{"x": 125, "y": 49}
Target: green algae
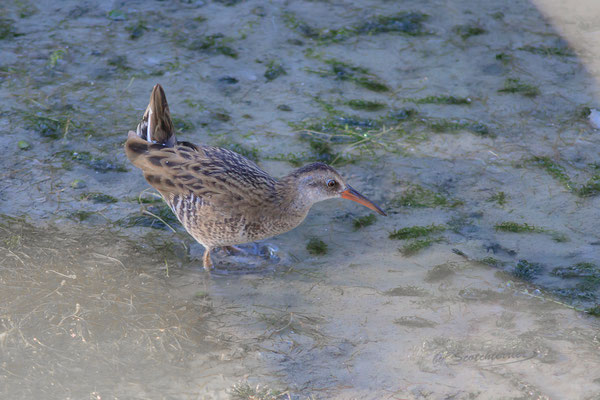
{"x": 558, "y": 172}
{"x": 155, "y": 216}
{"x": 514, "y": 227}
{"x": 216, "y": 43}
{"x": 561, "y": 51}
{"x": 96, "y": 197}
{"x": 526, "y": 270}
{"x": 504, "y": 58}
{"x": 365, "y": 105}
{"x": 137, "y": 30}
{"x": 7, "y": 30}
{"x": 345, "y": 71}
{"x": 415, "y": 246}
{"x": 406, "y": 291}
{"x": 274, "y": 70}
{"x": 119, "y": 62}
{"x": 467, "y": 30}
{"x": 515, "y": 85}
{"x": 316, "y": 246}
{"x": 56, "y": 56}
{"x": 441, "y": 125}
{"x": 117, "y": 15}
{"x": 146, "y": 199}
{"x": 220, "y": 116}
{"x": 419, "y": 197}
{"x": 295, "y": 159}
{"x": 80, "y": 215}
{"x": 414, "y": 322}
{"x": 413, "y": 232}
{"x": 594, "y": 311}
{"x": 451, "y": 100}
{"x": 499, "y": 198}
{"x": 364, "y": 221}
{"x": 491, "y": 261}
{"x": 78, "y": 184}
{"x": 555, "y": 170}
{"x": 590, "y": 188}
{"x": 46, "y": 126}
{"x": 406, "y": 23}
{"x": 23, "y": 145}
{"x": 364, "y": 133}
{"x": 182, "y": 124}
{"x": 370, "y": 83}
{"x": 578, "y": 270}
{"x": 284, "y": 107}
{"x": 244, "y": 391}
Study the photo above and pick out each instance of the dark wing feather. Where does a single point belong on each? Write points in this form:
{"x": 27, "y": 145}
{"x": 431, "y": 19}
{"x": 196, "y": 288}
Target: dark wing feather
{"x": 220, "y": 177}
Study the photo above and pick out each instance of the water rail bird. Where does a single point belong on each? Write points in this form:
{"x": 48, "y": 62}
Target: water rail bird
{"x": 220, "y": 197}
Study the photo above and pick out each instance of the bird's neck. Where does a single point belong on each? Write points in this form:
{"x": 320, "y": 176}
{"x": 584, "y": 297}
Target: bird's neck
{"x": 291, "y": 200}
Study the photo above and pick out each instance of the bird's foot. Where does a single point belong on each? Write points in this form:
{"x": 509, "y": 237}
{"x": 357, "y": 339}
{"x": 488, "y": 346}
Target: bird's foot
{"x": 232, "y": 250}
{"x": 246, "y": 258}
{"x": 206, "y": 260}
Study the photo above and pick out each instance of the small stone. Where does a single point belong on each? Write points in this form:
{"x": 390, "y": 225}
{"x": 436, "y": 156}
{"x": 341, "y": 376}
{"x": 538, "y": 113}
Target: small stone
{"x": 229, "y": 80}
{"x": 78, "y": 184}
{"x": 23, "y": 145}
{"x": 594, "y": 118}
{"x": 284, "y": 107}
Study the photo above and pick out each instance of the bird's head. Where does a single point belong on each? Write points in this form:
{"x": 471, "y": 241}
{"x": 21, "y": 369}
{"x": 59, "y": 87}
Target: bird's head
{"x": 318, "y": 181}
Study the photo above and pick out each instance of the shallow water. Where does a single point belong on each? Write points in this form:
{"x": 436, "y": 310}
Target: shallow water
{"x": 102, "y": 300}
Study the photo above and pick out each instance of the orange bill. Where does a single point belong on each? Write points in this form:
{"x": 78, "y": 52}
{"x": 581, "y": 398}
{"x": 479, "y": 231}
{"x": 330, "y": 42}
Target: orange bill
{"x": 353, "y": 195}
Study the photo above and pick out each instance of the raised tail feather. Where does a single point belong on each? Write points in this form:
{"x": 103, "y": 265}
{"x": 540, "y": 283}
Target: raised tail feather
{"x": 156, "y": 125}
{"x": 154, "y": 132}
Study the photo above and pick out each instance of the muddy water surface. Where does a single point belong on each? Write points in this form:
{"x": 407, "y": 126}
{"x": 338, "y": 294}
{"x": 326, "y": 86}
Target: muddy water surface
{"x": 468, "y": 122}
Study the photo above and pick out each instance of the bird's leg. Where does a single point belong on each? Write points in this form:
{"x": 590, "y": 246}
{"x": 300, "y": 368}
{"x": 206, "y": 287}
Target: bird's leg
{"x": 208, "y": 265}
{"x": 233, "y": 249}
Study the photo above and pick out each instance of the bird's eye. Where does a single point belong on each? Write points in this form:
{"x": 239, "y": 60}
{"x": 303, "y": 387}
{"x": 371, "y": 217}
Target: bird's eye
{"x": 331, "y": 183}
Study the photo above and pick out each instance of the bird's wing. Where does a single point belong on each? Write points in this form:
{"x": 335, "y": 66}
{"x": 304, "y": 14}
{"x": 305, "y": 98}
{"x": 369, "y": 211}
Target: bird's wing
{"x": 220, "y": 177}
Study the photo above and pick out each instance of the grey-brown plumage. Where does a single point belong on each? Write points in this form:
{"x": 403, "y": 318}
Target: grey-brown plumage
{"x": 221, "y": 197}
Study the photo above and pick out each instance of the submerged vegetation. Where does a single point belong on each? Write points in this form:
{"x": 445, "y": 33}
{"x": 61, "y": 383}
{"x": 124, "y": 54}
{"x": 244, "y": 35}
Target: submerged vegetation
{"x": 156, "y": 216}
{"x": 364, "y": 221}
{"x": 412, "y": 232}
{"x": 441, "y": 100}
{"x": 527, "y": 270}
{"x": 499, "y": 198}
{"x": 467, "y": 30}
{"x": 407, "y": 23}
{"x": 345, "y": 71}
{"x": 243, "y": 391}
{"x": 274, "y": 70}
{"x": 316, "y": 246}
{"x": 96, "y": 197}
{"x": 365, "y": 105}
{"x": 419, "y": 197}
{"x": 559, "y": 173}
{"x": 514, "y": 85}
{"x": 514, "y": 227}
{"x": 415, "y": 246}
{"x": 7, "y": 29}
{"x": 562, "y": 51}
{"x": 47, "y": 126}
{"x": 216, "y": 43}
{"x": 423, "y": 237}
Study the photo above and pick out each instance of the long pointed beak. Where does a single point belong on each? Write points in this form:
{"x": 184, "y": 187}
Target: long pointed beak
{"x": 353, "y": 195}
